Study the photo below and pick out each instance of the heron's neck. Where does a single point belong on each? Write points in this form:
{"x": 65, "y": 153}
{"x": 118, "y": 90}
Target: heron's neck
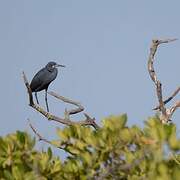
{"x": 52, "y": 69}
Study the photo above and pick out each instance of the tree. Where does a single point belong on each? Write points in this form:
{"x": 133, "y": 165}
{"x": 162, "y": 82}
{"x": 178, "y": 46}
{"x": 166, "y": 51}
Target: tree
{"x": 112, "y": 151}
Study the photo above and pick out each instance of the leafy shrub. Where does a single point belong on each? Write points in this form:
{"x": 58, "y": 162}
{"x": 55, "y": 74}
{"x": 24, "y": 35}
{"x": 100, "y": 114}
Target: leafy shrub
{"x": 115, "y": 151}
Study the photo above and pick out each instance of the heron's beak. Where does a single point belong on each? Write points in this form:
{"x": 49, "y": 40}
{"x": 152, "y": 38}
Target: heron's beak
{"x": 59, "y": 65}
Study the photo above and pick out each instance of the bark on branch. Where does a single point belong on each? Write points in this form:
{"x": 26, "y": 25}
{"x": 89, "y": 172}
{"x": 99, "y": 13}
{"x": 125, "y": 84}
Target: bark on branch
{"x": 69, "y": 101}
{"x": 66, "y": 121}
{"x": 41, "y": 138}
{"x": 166, "y": 113}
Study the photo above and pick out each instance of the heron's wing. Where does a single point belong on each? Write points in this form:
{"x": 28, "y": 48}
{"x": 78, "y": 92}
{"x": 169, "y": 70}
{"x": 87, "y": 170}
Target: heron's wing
{"x": 38, "y": 79}
{"x": 42, "y": 79}
{"x": 49, "y": 76}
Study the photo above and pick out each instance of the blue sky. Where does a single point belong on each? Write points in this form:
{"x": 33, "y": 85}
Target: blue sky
{"x": 104, "y": 45}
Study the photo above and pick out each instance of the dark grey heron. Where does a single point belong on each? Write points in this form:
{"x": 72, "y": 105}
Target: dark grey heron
{"x": 43, "y": 78}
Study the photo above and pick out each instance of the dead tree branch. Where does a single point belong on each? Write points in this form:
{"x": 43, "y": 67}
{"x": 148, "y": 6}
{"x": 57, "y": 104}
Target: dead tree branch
{"x": 66, "y": 100}
{"x": 38, "y": 135}
{"x": 173, "y": 109}
{"x": 66, "y": 121}
{"x": 169, "y": 98}
{"x": 31, "y": 102}
{"x": 41, "y": 138}
{"x": 166, "y": 114}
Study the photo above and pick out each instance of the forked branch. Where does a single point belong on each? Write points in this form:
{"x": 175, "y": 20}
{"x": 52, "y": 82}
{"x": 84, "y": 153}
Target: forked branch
{"x": 166, "y": 113}
{"x": 169, "y": 98}
{"x": 79, "y": 108}
{"x": 66, "y": 121}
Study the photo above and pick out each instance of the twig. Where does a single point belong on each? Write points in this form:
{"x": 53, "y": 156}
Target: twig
{"x": 69, "y": 101}
{"x": 41, "y": 138}
{"x": 165, "y": 113}
{"x": 153, "y": 49}
{"x": 38, "y": 135}
{"x": 31, "y": 103}
{"x": 66, "y": 121}
{"x": 173, "y": 109}
{"x": 169, "y": 98}
{"x": 174, "y": 158}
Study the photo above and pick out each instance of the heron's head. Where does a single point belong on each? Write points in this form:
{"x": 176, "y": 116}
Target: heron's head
{"x": 52, "y": 65}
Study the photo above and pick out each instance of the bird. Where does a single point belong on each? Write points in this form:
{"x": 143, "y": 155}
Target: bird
{"x": 43, "y": 78}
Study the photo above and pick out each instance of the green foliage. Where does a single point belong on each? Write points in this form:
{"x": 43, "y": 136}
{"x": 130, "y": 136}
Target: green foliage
{"x": 19, "y": 160}
{"x": 115, "y": 151}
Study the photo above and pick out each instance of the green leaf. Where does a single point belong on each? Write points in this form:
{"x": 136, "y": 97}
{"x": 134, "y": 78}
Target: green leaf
{"x": 87, "y": 158}
{"x": 49, "y": 152}
{"x": 64, "y": 134}
{"x": 125, "y": 135}
{"x": 8, "y": 175}
{"x": 115, "y": 122}
{"x": 17, "y": 173}
{"x": 21, "y": 137}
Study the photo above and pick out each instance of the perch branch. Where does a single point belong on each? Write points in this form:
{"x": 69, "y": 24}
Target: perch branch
{"x": 31, "y": 102}
{"x": 165, "y": 113}
{"x": 66, "y": 121}
{"x": 69, "y": 101}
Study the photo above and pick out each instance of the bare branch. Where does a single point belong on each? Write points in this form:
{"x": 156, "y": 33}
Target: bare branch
{"x": 165, "y": 113}
{"x": 91, "y": 121}
{"x": 173, "y": 109}
{"x": 31, "y": 103}
{"x": 153, "y": 49}
{"x": 166, "y": 40}
{"x": 169, "y": 98}
{"x": 66, "y": 121}
{"x": 159, "y": 95}
{"x": 69, "y": 101}
{"x": 41, "y": 138}
{"x": 38, "y": 135}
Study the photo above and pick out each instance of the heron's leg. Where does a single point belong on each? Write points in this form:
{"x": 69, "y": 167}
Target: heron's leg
{"x": 36, "y": 97}
{"x": 46, "y": 101}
